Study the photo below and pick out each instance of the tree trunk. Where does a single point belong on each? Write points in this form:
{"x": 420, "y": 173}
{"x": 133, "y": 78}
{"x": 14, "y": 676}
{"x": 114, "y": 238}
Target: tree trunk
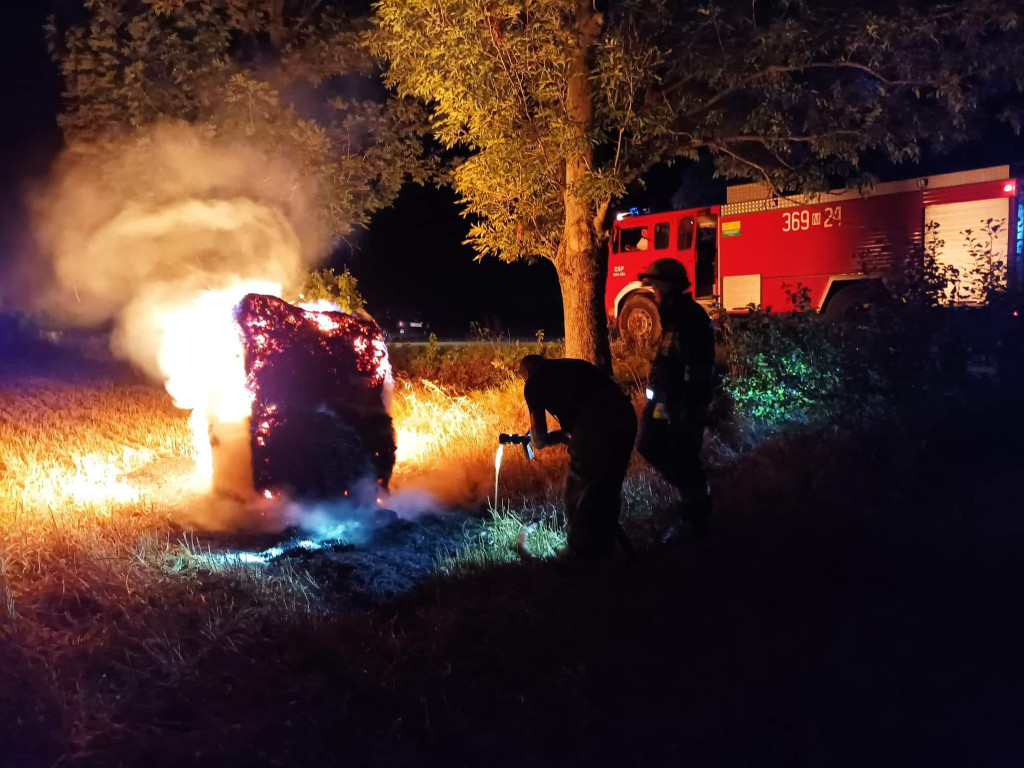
{"x": 581, "y": 268}
{"x": 581, "y": 275}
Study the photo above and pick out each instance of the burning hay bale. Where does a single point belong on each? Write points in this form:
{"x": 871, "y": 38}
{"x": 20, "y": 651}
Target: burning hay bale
{"x": 319, "y": 424}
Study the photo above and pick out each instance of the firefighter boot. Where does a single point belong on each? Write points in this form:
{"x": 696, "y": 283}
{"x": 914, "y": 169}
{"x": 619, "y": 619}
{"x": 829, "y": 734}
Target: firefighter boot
{"x": 695, "y": 511}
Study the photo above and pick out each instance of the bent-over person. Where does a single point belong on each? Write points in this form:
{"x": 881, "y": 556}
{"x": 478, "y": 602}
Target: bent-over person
{"x": 597, "y": 423}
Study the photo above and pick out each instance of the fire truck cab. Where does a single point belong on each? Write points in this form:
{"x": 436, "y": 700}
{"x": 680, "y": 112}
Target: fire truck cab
{"x": 758, "y": 249}
{"x": 638, "y": 238}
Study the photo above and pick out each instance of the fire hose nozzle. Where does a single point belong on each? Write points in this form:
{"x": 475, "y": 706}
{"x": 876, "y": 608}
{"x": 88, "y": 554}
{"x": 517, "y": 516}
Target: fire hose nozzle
{"x": 505, "y": 438}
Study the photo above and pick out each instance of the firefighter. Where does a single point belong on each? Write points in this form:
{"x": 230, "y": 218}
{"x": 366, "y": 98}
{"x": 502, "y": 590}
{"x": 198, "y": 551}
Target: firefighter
{"x": 598, "y": 424}
{"x": 672, "y": 428}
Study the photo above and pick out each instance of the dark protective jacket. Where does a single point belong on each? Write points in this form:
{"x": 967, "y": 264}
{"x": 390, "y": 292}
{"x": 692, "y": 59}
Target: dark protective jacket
{"x": 563, "y": 387}
{"x": 589, "y": 405}
{"x": 682, "y": 370}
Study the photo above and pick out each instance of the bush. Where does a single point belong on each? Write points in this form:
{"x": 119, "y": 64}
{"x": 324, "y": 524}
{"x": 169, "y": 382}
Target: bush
{"x": 930, "y": 342}
{"x": 892, "y": 363}
{"x": 781, "y": 367}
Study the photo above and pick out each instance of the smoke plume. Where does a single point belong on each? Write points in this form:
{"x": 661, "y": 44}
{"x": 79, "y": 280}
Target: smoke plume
{"x": 145, "y": 222}
{"x": 159, "y": 234}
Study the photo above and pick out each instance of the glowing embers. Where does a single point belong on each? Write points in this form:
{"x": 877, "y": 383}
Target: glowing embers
{"x": 325, "y": 322}
{"x": 319, "y": 426}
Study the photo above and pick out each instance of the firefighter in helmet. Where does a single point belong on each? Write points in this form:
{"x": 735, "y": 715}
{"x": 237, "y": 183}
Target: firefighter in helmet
{"x": 598, "y": 424}
{"x": 672, "y": 428}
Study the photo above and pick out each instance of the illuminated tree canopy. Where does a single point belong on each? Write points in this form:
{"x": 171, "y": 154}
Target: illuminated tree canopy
{"x": 559, "y": 105}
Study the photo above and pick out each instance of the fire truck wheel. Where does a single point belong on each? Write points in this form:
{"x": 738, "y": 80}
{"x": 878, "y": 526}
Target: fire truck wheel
{"x": 639, "y": 320}
{"x": 850, "y": 301}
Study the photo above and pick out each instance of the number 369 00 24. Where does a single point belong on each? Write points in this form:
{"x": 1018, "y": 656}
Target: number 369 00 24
{"x": 797, "y": 221}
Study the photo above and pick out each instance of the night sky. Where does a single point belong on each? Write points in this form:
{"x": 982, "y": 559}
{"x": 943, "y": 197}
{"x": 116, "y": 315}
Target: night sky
{"x": 29, "y": 102}
{"x": 412, "y": 256}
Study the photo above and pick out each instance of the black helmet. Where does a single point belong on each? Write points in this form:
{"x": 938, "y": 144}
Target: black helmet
{"x": 667, "y": 271}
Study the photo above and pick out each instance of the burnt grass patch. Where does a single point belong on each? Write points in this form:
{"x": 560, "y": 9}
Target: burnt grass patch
{"x": 859, "y": 603}
{"x": 399, "y": 556}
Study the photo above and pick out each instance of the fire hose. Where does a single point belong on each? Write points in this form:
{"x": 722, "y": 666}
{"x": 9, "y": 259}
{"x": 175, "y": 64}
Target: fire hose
{"x": 523, "y": 440}
{"x": 506, "y": 438}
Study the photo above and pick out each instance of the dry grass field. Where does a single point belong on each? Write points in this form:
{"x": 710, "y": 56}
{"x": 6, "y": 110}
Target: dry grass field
{"x": 104, "y": 589}
{"x": 848, "y": 610}
{"x": 94, "y": 470}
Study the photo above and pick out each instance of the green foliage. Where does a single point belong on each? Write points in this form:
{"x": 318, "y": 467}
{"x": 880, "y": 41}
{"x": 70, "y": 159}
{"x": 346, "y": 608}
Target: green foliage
{"x": 888, "y": 365}
{"x": 986, "y": 280}
{"x": 921, "y": 280}
{"x": 793, "y": 93}
{"x": 963, "y": 319}
{"x": 226, "y": 65}
{"x": 942, "y": 332}
{"x": 325, "y": 285}
{"x": 495, "y": 78}
{"x": 782, "y": 367}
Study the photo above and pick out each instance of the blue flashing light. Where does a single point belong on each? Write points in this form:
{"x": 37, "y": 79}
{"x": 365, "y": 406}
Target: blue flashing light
{"x": 1020, "y": 229}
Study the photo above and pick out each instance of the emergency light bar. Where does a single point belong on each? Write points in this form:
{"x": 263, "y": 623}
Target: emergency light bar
{"x": 631, "y": 212}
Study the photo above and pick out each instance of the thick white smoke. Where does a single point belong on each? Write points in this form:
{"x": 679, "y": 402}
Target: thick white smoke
{"x": 160, "y": 214}
{"x": 161, "y": 232}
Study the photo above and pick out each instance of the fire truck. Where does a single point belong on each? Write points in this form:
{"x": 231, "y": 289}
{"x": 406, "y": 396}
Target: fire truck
{"x": 759, "y": 249}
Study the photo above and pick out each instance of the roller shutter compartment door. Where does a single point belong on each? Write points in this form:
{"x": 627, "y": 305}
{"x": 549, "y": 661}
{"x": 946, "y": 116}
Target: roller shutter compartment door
{"x": 950, "y": 241}
{"x": 740, "y": 291}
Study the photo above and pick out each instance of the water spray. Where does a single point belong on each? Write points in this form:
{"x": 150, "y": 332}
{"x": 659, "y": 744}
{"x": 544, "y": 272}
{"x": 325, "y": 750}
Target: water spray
{"x": 497, "y": 469}
{"x": 508, "y": 439}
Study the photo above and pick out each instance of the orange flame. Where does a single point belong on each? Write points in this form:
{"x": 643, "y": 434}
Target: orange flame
{"x": 200, "y": 356}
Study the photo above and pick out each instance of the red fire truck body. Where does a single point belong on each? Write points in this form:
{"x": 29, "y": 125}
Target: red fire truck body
{"x": 757, "y": 249}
